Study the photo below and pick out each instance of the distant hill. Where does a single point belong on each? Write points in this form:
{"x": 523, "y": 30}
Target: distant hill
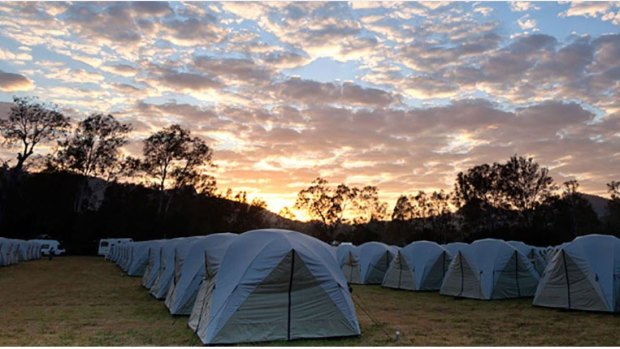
{"x": 599, "y": 204}
{"x": 5, "y": 107}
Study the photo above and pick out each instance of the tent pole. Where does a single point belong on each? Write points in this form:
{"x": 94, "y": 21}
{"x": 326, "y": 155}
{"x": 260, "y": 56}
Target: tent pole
{"x": 517, "y": 273}
{"x": 460, "y": 256}
{"x": 567, "y": 280}
{"x": 290, "y": 287}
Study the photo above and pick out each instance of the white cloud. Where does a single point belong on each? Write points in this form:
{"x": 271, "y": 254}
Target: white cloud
{"x": 521, "y": 6}
{"x": 588, "y": 8}
{"x": 485, "y": 11}
{"x": 527, "y": 23}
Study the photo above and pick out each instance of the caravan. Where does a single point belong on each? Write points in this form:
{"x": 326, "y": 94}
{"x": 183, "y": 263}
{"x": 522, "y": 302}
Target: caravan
{"x": 49, "y": 246}
{"x": 106, "y": 244}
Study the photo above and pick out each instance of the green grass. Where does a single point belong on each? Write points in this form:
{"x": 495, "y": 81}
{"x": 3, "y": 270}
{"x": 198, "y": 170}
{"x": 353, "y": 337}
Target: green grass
{"x": 87, "y": 301}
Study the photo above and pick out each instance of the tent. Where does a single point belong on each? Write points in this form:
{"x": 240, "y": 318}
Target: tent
{"x": 189, "y": 277}
{"x": 374, "y": 260}
{"x": 172, "y": 251}
{"x": 419, "y": 266}
{"x": 5, "y": 246}
{"x": 22, "y": 250}
{"x": 277, "y": 285}
{"x": 583, "y": 274}
{"x": 533, "y": 253}
{"x": 152, "y": 267}
{"x": 349, "y": 262}
{"x": 490, "y": 269}
{"x": 13, "y": 251}
{"x": 139, "y": 256}
{"x": 454, "y": 247}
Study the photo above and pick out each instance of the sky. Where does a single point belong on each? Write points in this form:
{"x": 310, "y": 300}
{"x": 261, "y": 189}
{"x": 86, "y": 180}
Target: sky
{"x": 402, "y": 96}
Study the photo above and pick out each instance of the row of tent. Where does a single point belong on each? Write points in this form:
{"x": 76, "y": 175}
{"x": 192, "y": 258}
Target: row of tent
{"x": 13, "y": 251}
{"x": 272, "y": 284}
{"x": 583, "y": 274}
{"x": 262, "y": 285}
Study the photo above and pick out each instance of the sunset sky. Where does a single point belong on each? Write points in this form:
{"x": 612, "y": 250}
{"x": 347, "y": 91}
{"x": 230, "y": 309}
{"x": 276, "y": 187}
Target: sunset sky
{"x": 397, "y": 95}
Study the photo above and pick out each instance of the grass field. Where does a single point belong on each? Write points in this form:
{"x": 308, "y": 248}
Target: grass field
{"x": 87, "y": 301}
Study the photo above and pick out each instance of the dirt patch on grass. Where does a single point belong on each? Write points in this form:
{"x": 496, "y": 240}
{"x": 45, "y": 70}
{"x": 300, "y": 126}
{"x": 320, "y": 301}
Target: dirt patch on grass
{"x": 87, "y": 301}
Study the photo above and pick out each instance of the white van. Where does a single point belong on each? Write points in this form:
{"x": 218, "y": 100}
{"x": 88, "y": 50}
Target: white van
{"x": 51, "y": 245}
{"x": 106, "y": 244}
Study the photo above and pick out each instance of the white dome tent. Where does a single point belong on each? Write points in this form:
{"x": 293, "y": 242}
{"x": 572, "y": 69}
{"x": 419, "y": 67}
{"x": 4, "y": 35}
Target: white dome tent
{"x": 278, "y": 285}
{"x": 140, "y": 256}
{"x": 349, "y": 262}
{"x": 454, "y": 247}
{"x": 419, "y": 266}
{"x": 583, "y": 275}
{"x": 188, "y": 279}
{"x": 152, "y": 267}
{"x": 374, "y": 260}
{"x": 533, "y": 253}
{"x": 490, "y": 269}
{"x": 172, "y": 253}
{"x": 5, "y": 254}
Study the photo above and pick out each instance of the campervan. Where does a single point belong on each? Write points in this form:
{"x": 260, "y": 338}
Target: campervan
{"x": 53, "y": 246}
{"x": 106, "y": 244}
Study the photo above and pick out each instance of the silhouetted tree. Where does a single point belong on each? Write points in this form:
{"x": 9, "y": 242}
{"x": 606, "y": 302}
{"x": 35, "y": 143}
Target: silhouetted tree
{"x": 441, "y": 217}
{"x": 478, "y": 193}
{"x": 403, "y": 209}
{"x": 571, "y": 196}
{"x": 173, "y": 154}
{"x": 525, "y": 185}
{"x": 613, "y": 207}
{"x": 326, "y": 204}
{"x": 93, "y": 149}
{"x": 368, "y": 207}
{"x": 489, "y": 196}
{"x": 286, "y": 212}
{"x": 29, "y": 124}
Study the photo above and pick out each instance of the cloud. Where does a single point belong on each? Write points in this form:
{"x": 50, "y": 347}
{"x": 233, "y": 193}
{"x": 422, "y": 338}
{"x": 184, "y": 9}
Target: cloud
{"x": 234, "y": 69}
{"x": 189, "y": 81}
{"x": 588, "y": 8}
{"x": 485, "y": 11}
{"x": 310, "y": 92}
{"x": 155, "y": 8}
{"x": 527, "y": 23}
{"x": 14, "y": 56}
{"x": 10, "y": 82}
{"x": 521, "y": 6}
{"x": 431, "y": 89}
{"x": 119, "y": 69}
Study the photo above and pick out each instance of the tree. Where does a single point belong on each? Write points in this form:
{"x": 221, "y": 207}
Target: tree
{"x": 29, "y": 124}
{"x": 368, "y": 206}
{"x": 613, "y": 220}
{"x": 478, "y": 194}
{"x": 525, "y": 185}
{"x": 440, "y": 214}
{"x": 402, "y": 209}
{"x": 489, "y": 195}
{"x": 93, "y": 149}
{"x": 259, "y": 203}
{"x": 613, "y": 188}
{"x": 421, "y": 204}
{"x": 326, "y": 204}
{"x": 286, "y": 212}
{"x": 571, "y": 197}
{"x": 173, "y": 154}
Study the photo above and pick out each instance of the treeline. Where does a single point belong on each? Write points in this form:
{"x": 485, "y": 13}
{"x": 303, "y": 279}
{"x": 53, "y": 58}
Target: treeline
{"x": 86, "y": 188}
{"x": 514, "y": 200}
